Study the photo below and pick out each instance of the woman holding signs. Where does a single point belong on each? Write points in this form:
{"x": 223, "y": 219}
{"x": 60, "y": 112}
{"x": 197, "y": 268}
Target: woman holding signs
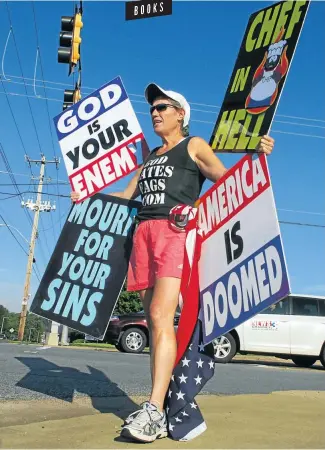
{"x": 173, "y": 174}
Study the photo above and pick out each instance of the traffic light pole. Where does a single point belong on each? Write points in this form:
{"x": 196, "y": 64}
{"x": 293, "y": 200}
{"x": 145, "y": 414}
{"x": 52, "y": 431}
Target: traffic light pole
{"x": 69, "y": 53}
{"x": 36, "y": 208}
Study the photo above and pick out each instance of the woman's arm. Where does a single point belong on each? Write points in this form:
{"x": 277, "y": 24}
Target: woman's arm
{"x": 130, "y": 192}
{"x": 210, "y": 165}
{"x": 206, "y": 160}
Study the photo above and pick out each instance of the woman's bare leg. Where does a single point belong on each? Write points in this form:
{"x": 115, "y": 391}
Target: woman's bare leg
{"x": 146, "y": 297}
{"x": 162, "y": 309}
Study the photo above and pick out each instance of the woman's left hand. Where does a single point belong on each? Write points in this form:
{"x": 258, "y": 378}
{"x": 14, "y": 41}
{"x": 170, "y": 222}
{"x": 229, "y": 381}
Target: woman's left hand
{"x": 266, "y": 145}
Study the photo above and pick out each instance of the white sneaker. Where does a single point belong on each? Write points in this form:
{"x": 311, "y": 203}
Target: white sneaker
{"x": 133, "y": 415}
{"x": 146, "y": 425}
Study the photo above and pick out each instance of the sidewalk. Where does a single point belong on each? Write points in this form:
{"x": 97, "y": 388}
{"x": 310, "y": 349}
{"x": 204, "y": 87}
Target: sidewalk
{"x": 292, "y": 419}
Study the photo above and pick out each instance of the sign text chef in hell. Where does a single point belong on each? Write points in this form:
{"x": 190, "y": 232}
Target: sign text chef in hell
{"x": 101, "y": 139}
{"x": 258, "y": 77}
{"x": 242, "y": 267}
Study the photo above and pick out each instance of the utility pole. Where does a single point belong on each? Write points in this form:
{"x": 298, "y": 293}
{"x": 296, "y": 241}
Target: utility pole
{"x": 38, "y": 207}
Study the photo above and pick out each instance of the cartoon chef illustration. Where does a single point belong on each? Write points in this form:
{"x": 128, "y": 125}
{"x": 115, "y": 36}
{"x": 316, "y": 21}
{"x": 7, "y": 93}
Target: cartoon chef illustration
{"x": 268, "y": 76}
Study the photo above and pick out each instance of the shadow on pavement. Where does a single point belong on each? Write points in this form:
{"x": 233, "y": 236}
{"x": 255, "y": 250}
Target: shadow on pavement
{"x": 275, "y": 364}
{"x": 62, "y": 382}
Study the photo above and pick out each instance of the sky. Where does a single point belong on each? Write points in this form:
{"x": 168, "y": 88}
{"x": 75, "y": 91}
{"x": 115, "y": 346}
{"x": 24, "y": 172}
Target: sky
{"x": 193, "y": 51}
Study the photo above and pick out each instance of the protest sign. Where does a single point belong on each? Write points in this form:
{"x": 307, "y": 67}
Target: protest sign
{"x": 258, "y": 77}
{"x": 87, "y": 269}
{"x": 101, "y": 139}
{"x": 242, "y": 268}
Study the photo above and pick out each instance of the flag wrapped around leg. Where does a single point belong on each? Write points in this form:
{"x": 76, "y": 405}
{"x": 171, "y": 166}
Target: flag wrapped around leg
{"x": 194, "y": 364}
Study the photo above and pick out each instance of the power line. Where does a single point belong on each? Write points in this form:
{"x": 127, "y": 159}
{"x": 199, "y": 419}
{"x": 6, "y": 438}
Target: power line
{"x": 47, "y": 105}
{"x": 21, "y": 69}
{"x": 66, "y": 196}
{"x": 38, "y": 97}
{"x": 302, "y": 224}
{"x": 281, "y": 221}
{"x": 46, "y": 243}
{"x": 13, "y": 117}
{"x": 192, "y": 109}
{"x": 11, "y": 176}
{"x": 11, "y": 232}
{"x": 25, "y": 175}
{"x": 51, "y": 215}
{"x": 12, "y": 113}
{"x": 19, "y": 194}
{"x": 273, "y": 131}
{"x": 63, "y": 215}
{"x": 191, "y": 103}
{"x": 40, "y": 246}
{"x": 35, "y": 192}
{"x": 28, "y": 184}
{"x": 192, "y": 120}
{"x": 301, "y": 212}
{"x": 10, "y": 196}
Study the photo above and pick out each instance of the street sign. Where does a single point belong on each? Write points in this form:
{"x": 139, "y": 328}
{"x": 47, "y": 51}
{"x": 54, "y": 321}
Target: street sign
{"x": 258, "y": 77}
{"x": 11, "y": 330}
{"x": 87, "y": 269}
{"x": 143, "y": 9}
{"x": 101, "y": 139}
{"x": 242, "y": 268}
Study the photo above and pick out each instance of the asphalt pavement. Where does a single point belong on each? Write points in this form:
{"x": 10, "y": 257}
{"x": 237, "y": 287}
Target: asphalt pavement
{"x": 72, "y": 398}
{"x": 34, "y": 372}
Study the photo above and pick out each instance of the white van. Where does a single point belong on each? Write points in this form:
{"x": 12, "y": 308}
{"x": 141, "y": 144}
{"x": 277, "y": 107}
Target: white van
{"x": 293, "y": 328}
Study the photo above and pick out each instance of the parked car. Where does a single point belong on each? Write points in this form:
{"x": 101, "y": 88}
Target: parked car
{"x": 129, "y": 332}
{"x": 293, "y": 328}
{"x": 3, "y": 337}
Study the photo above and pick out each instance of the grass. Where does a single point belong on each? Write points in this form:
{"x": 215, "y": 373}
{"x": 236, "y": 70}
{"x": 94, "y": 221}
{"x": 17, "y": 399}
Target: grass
{"x": 92, "y": 344}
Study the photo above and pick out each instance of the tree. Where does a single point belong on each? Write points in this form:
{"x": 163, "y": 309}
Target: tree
{"x": 128, "y": 302}
{"x": 12, "y": 323}
{"x": 3, "y": 313}
{"x": 35, "y": 326}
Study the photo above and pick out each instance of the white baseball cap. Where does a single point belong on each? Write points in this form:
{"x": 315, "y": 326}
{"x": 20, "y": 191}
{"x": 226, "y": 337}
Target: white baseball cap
{"x": 153, "y": 91}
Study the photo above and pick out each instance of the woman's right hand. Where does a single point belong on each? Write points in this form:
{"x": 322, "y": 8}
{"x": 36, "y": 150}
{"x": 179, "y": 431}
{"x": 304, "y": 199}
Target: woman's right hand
{"x": 74, "y": 196}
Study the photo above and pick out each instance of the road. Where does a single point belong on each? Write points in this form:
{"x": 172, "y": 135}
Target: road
{"x": 30, "y": 372}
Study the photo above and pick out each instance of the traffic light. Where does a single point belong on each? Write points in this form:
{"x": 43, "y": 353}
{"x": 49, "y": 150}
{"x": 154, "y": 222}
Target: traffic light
{"x": 71, "y": 97}
{"x": 69, "y": 50}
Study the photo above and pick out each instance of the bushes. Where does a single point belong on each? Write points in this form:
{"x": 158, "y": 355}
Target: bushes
{"x": 128, "y": 302}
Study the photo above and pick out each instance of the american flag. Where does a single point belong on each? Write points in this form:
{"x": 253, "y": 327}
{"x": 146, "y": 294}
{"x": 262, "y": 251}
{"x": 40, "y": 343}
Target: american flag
{"x": 195, "y": 362}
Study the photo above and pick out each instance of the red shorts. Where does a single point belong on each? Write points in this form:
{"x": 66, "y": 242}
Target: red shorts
{"x": 158, "y": 251}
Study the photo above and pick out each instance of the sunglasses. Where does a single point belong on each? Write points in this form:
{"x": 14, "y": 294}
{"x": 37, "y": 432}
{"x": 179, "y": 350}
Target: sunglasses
{"x": 161, "y": 107}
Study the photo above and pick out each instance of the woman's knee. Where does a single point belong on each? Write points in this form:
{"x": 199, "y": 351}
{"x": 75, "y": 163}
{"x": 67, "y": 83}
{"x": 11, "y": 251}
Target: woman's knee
{"x": 164, "y": 302}
{"x": 160, "y": 316}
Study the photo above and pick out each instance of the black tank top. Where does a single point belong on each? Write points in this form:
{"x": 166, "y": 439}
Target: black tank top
{"x": 168, "y": 180}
